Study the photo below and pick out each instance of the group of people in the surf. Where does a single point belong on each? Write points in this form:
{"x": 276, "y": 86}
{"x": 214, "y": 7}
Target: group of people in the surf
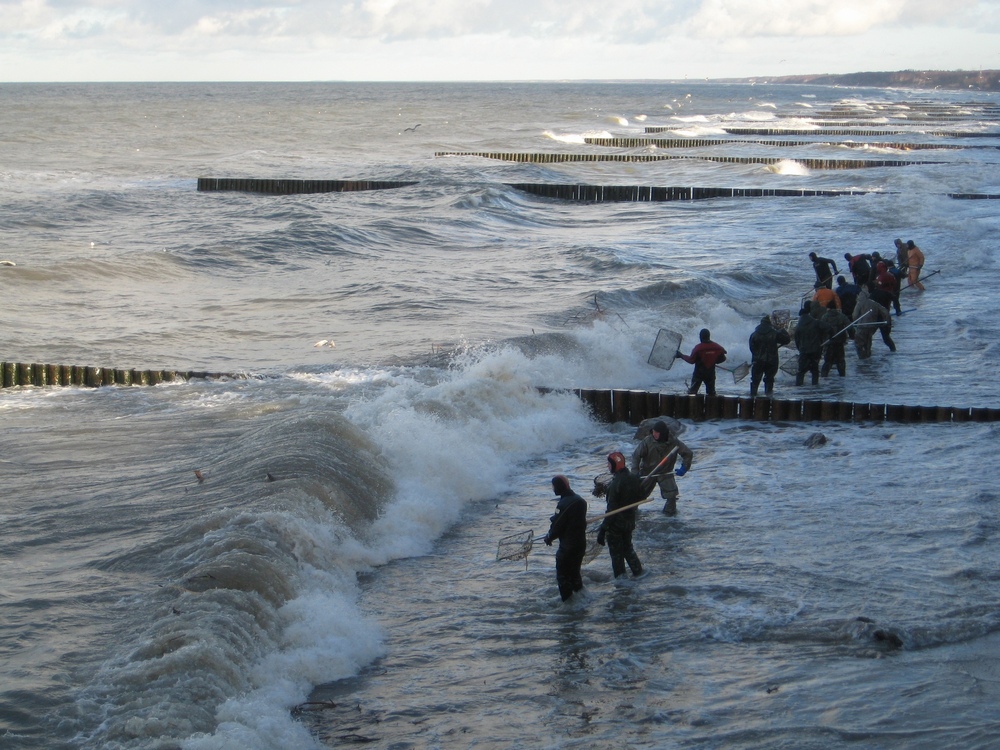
{"x": 827, "y": 319}
{"x": 853, "y": 309}
{"x": 658, "y": 459}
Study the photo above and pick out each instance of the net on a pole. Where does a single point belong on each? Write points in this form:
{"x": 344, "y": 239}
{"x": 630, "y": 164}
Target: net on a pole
{"x": 601, "y": 482}
{"x": 515, "y": 546}
{"x": 740, "y": 372}
{"x": 664, "y": 350}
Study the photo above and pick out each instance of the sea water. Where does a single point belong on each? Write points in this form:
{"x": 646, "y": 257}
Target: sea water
{"x": 328, "y": 576}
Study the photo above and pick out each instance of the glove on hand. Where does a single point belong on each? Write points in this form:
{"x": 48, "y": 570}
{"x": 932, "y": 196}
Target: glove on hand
{"x": 600, "y": 537}
{"x": 680, "y": 471}
{"x": 548, "y": 541}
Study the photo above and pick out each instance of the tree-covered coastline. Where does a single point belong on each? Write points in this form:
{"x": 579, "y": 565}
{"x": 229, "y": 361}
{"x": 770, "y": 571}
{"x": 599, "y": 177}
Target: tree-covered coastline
{"x": 975, "y": 80}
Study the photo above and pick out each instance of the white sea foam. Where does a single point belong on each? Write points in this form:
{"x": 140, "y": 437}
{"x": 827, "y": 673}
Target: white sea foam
{"x": 788, "y": 167}
{"x": 564, "y": 137}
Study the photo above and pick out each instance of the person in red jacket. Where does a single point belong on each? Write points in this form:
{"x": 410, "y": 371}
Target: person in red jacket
{"x": 705, "y": 356}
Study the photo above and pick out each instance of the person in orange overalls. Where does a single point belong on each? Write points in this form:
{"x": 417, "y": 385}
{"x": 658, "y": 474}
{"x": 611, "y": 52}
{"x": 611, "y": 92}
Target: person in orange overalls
{"x": 915, "y": 263}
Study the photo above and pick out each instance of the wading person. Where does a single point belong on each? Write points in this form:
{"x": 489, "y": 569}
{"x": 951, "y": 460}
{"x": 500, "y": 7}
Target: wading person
{"x": 764, "y": 343}
{"x": 651, "y": 450}
{"x": 704, "y": 357}
{"x": 915, "y": 264}
{"x": 875, "y": 316}
{"x": 837, "y": 322}
{"x": 822, "y": 267}
{"x": 569, "y": 526}
{"x": 616, "y": 531}
{"x": 810, "y": 334}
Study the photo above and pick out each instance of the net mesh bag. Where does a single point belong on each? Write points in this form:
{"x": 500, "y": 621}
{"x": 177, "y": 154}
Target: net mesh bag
{"x": 601, "y": 482}
{"x": 664, "y": 350}
{"x": 515, "y": 546}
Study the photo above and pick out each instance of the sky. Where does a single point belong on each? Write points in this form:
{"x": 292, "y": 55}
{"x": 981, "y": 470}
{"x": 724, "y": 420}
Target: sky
{"x": 470, "y": 40}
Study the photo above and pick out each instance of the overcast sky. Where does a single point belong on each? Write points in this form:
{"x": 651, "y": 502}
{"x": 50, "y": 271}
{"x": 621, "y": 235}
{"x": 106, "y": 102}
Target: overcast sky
{"x": 437, "y": 40}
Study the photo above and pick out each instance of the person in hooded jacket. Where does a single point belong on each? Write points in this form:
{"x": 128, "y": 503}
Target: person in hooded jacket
{"x": 888, "y": 283}
{"x": 704, "y": 357}
{"x": 848, "y": 294}
{"x": 648, "y": 454}
{"x": 860, "y": 267}
{"x": 837, "y": 322}
{"x": 871, "y": 315}
{"x": 569, "y": 526}
{"x": 616, "y": 530}
{"x": 764, "y": 344}
{"x": 810, "y": 334}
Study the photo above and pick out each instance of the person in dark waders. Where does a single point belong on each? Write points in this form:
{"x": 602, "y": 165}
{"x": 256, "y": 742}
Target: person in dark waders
{"x": 764, "y": 344}
{"x": 569, "y": 526}
{"x": 616, "y": 531}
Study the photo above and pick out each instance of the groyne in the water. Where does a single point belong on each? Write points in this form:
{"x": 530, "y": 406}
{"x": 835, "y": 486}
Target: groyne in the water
{"x": 34, "y": 374}
{"x": 634, "y": 406}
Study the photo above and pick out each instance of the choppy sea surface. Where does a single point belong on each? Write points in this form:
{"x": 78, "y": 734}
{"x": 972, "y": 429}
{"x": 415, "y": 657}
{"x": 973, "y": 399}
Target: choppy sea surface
{"x": 328, "y": 577}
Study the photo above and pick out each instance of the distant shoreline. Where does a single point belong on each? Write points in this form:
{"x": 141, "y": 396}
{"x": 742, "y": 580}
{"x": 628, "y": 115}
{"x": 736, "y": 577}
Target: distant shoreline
{"x": 958, "y": 80}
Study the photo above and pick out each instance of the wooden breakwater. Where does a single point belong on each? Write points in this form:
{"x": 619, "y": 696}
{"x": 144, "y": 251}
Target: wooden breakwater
{"x": 609, "y": 193}
{"x": 852, "y": 131}
{"x": 33, "y": 374}
{"x": 294, "y": 187}
{"x": 648, "y": 193}
{"x": 633, "y": 407}
{"x": 555, "y": 157}
{"x": 629, "y": 142}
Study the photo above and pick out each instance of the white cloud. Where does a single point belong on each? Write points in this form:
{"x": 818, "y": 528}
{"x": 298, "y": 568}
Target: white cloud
{"x": 449, "y": 39}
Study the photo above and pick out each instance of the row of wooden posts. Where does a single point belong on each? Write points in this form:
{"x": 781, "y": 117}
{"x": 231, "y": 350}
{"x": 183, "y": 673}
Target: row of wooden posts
{"x": 555, "y": 157}
{"x": 295, "y": 187}
{"x": 633, "y": 407}
{"x": 23, "y": 373}
{"x": 850, "y": 131}
{"x": 630, "y": 142}
{"x": 585, "y": 193}
{"x": 599, "y": 193}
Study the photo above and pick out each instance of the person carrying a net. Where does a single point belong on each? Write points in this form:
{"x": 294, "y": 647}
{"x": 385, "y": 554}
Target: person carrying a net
{"x": 648, "y": 455}
{"x": 616, "y": 530}
{"x": 569, "y": 526}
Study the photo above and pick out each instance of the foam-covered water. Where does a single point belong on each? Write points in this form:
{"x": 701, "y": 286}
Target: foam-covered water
{"x": 328, "y": 575}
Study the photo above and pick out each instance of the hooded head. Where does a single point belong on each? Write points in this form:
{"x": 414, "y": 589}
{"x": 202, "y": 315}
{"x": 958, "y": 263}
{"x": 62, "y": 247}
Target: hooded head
{"x": 704, "y": 334}
{"x": 898, "y": 242}
{"x": 660, "y": 429}
{"x": 560, "y": 485}
{"x": 766, "y": 320}
{"x": 880, "y": 267}
{"x": 812, "y": 256}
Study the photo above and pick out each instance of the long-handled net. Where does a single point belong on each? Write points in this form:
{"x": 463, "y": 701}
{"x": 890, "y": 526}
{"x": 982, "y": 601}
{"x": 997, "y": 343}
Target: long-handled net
{"x": 664, "y": 350}
{"x": 790, "y": 365}
{"x": 739, "y": 372}
{"x": 517, "y": 546}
